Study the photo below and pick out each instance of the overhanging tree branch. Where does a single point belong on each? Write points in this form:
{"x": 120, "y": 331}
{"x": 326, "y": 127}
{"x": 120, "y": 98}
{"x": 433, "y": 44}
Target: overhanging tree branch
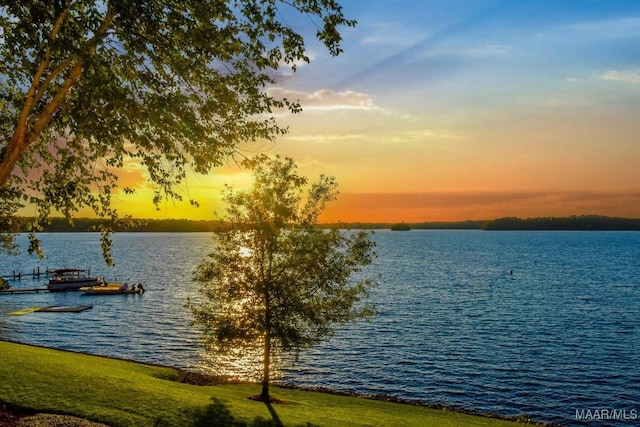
{"x": 172, "y": 86}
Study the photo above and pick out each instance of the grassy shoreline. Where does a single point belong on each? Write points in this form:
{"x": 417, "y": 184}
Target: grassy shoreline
{"x": 117, "y": 392}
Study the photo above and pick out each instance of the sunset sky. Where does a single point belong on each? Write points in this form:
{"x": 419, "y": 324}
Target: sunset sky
{"x": 463, "y": 109}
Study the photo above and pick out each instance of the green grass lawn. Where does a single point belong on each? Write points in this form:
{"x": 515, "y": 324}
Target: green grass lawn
{"x": 121, "y": 393}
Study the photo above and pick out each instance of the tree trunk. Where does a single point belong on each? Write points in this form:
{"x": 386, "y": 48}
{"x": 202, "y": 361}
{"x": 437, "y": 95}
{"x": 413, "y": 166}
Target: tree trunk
{"x": 264, "y": 395}
{"x": 21, "y": 138}
{"x": 9, "y": 157}
{"x": 28, "y": 128}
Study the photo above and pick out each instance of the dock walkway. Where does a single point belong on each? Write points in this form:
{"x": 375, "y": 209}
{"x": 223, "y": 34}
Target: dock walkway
{"x": 23, "y": 290}
{"x": 36, "y": 274}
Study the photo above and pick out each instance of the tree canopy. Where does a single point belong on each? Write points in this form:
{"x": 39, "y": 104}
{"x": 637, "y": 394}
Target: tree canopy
{"x": 174, "y": 85}
{"x": 275, "y": 279}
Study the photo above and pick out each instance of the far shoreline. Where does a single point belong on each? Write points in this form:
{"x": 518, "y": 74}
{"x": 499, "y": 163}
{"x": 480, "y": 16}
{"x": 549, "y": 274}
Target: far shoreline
{"x": 571, "y": 223}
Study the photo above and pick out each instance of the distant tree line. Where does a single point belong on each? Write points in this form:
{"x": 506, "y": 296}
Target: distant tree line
{"x": 583, "y": 222}
{"x": 62, "y": 225}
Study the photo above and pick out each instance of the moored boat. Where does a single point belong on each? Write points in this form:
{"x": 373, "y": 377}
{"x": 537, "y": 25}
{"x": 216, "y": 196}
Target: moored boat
{"x": 113, "y": 289}
{"x": 70, "y": 279}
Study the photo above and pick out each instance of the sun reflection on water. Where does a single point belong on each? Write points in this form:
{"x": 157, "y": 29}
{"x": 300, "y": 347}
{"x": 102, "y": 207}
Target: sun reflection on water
{"x": 241, "y": 364}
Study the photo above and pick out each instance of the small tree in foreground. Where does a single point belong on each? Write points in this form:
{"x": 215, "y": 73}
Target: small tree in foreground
{"x": 275, "y": 279}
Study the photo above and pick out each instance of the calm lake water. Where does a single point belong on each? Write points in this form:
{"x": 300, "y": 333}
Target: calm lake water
{"x": 556, "y": 340}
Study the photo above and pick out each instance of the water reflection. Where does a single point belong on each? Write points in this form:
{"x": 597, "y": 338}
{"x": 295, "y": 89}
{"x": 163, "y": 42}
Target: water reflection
{"x": 243, "y": 364}
{"x": 245, "y": 252}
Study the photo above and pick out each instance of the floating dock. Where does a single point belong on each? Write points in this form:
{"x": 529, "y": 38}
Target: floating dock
{"x": 24, "y": 311}
{"x": 51, "y": 309}
{"x": 64, "y": 309}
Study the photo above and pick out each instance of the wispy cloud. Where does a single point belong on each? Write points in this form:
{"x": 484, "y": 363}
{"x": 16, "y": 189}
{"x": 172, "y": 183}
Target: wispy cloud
{"x": 426, "y": 135}
{"x": 489, "y": 50}
{"x": 632, "y": 77}
{"x": 608, "y": 28}
{"x": 391, "y": 34}
{"x": 398, "y": 135}
{"x": 285, "y": 69}
{"x": 471, "y": 52}
{"x": 327, "y": 138}
{"x": 326, "y": 99}
{"x": 386, "y": 41}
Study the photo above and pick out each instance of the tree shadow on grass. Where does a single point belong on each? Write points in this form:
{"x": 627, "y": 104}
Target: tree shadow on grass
{"x": 274, "y": 414}
{"x": 216, "y": 414}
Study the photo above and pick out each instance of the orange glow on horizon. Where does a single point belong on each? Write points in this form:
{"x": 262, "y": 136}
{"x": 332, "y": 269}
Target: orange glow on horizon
{"x": 412, "y": 207}
{"x": 443, "y": 207}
